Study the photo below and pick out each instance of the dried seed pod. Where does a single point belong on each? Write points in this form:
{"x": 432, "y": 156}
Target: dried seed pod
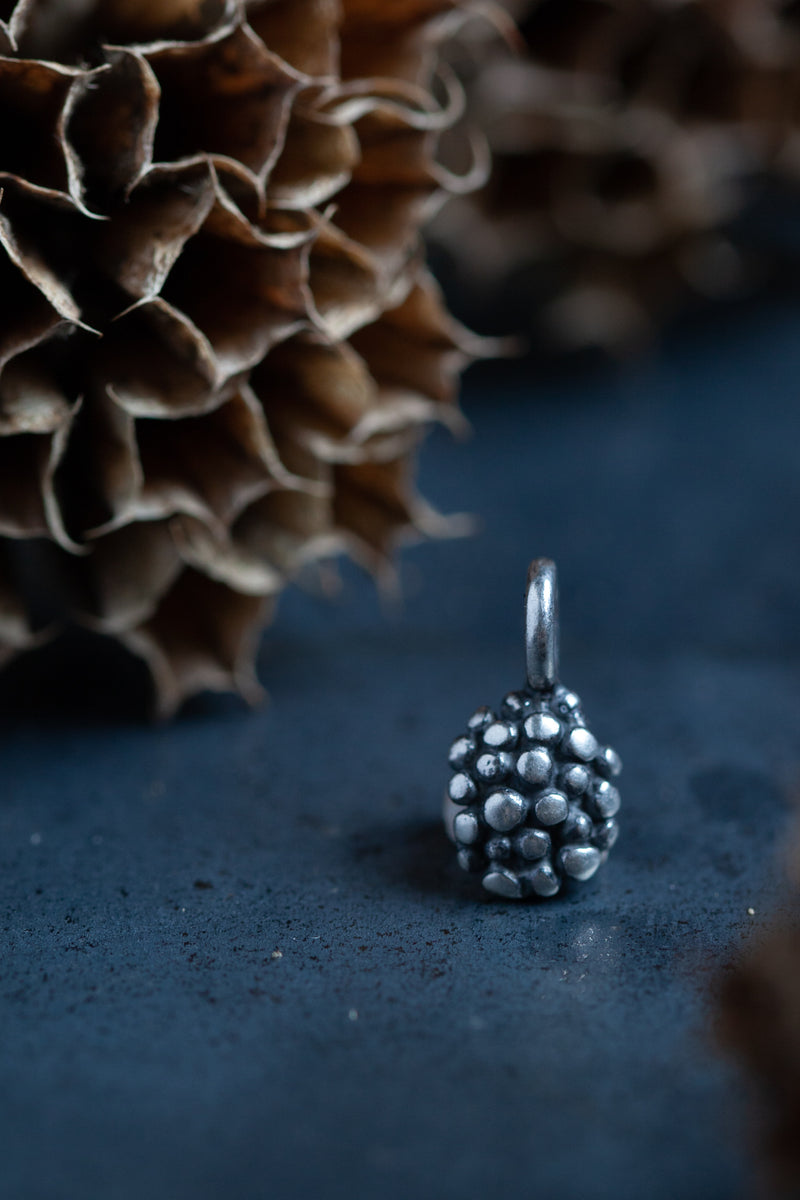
{"x": 758, "y": 1021}
{"x": 627, "y": 141}
{"x": 216, "y": 357}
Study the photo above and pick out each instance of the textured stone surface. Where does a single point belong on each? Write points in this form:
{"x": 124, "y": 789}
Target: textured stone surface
{"x": 237, "y": 956}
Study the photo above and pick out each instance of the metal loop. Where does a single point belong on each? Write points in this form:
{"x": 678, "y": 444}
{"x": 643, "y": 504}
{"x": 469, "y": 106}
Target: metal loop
{"x": 541, "y": 625}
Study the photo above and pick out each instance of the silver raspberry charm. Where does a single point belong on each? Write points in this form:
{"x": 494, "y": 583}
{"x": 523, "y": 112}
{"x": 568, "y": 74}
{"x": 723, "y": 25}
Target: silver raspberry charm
{"x": 531, "y": 800}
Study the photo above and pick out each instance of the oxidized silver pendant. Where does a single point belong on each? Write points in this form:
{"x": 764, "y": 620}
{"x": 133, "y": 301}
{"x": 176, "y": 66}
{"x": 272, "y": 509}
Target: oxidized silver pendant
{"x": 531, "y": 801}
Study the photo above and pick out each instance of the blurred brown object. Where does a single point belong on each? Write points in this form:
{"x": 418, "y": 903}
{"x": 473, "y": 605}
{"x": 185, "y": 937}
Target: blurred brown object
{"x": 628, "y": 139}
{"x": 760, "y": 1022}
{"x": 220, "y": 346}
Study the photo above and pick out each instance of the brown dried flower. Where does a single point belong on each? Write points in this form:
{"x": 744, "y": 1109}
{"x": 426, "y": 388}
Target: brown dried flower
{"x": 759, "y": 1021}
{"x": 219, "y": 345}
{"x": 628, "y": 139}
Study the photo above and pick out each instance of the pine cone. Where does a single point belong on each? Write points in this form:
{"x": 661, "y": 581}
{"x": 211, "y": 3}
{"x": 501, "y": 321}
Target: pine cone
{"x": 628, "y": 141}
{"x": 220, "y": 347}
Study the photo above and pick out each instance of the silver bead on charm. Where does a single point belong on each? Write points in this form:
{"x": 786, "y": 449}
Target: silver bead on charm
{"x": 531, "y": 802}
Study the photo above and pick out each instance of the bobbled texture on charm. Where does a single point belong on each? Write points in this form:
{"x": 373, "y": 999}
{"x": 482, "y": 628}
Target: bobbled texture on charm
{"x": 534, "y": 795}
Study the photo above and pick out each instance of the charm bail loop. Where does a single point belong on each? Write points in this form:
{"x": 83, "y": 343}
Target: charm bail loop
{"x": 541, "y": 625}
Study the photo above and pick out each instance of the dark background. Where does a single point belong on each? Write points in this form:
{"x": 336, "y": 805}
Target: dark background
{"x": 415, "y": 1037}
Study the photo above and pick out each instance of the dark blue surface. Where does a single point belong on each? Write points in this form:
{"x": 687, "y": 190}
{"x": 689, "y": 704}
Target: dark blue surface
{"x": 415, "y": 1038}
